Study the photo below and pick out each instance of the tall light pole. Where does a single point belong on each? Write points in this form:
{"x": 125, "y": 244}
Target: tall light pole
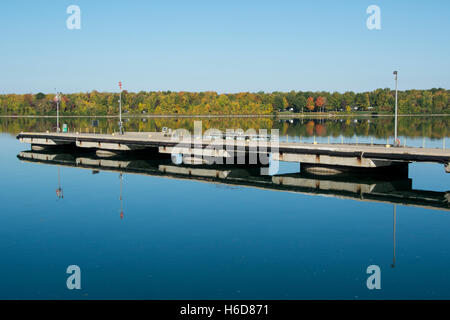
{"x": 57, "y": 99}
{"x": 120, "y": 109}
{"x": 396, "y": 142}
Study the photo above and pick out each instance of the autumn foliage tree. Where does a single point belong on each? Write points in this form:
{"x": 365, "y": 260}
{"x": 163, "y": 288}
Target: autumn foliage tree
{"x": 320, "y": 102}
{"x": 310, "y": 103}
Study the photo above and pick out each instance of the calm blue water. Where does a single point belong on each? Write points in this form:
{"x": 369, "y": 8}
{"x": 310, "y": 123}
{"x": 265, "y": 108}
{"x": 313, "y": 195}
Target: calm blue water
{"x": 185, "y": 239}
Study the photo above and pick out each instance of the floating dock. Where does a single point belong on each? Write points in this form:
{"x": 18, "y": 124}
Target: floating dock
{"x": 314, "y": 157}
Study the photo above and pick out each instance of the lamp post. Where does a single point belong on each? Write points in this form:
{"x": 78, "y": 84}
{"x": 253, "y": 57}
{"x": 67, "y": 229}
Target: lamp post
{"x": 120, "y": 109}
{"x": 396, "y": 142}
{"x": 57, "y": 100}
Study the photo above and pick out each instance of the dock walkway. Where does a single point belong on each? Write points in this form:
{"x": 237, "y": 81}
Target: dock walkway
{"x": 341, "y": 155}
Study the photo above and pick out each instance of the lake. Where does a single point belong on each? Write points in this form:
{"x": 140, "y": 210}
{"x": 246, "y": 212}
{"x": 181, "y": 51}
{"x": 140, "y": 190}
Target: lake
{"x": 141, "y": 228}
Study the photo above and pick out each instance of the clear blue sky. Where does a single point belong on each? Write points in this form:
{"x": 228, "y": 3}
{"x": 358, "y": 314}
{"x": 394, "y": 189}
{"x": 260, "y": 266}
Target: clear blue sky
{"x": 225, "y": 46}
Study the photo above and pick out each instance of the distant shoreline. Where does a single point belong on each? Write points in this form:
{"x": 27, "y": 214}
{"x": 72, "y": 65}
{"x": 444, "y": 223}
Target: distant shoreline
{"x": 293, "y": 116}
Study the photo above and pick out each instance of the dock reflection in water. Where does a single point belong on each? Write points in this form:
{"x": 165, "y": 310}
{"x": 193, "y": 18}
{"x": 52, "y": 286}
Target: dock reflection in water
{"x": 395, "y": 189}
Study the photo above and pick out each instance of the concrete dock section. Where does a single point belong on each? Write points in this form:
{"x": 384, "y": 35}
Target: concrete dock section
{"x": 317, "y": 157}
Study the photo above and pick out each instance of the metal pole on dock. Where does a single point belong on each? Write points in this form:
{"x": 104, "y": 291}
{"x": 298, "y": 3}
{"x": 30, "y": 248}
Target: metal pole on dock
{"x": 57, "y": 99}
{"x": 396, "y": 107}
{"x": 120, "y": 109}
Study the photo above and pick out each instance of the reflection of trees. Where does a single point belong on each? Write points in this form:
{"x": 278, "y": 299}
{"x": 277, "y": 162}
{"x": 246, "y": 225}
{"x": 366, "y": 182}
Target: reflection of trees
{"x": 380, "y": 127}
{"x": 431, "y": 127}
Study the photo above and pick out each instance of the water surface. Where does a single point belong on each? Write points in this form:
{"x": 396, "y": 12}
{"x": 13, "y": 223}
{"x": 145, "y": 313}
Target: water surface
{"x": 193, "y": 238}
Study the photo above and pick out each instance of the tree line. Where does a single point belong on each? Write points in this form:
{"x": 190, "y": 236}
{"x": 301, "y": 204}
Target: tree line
{"x": 432, "y": 101}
